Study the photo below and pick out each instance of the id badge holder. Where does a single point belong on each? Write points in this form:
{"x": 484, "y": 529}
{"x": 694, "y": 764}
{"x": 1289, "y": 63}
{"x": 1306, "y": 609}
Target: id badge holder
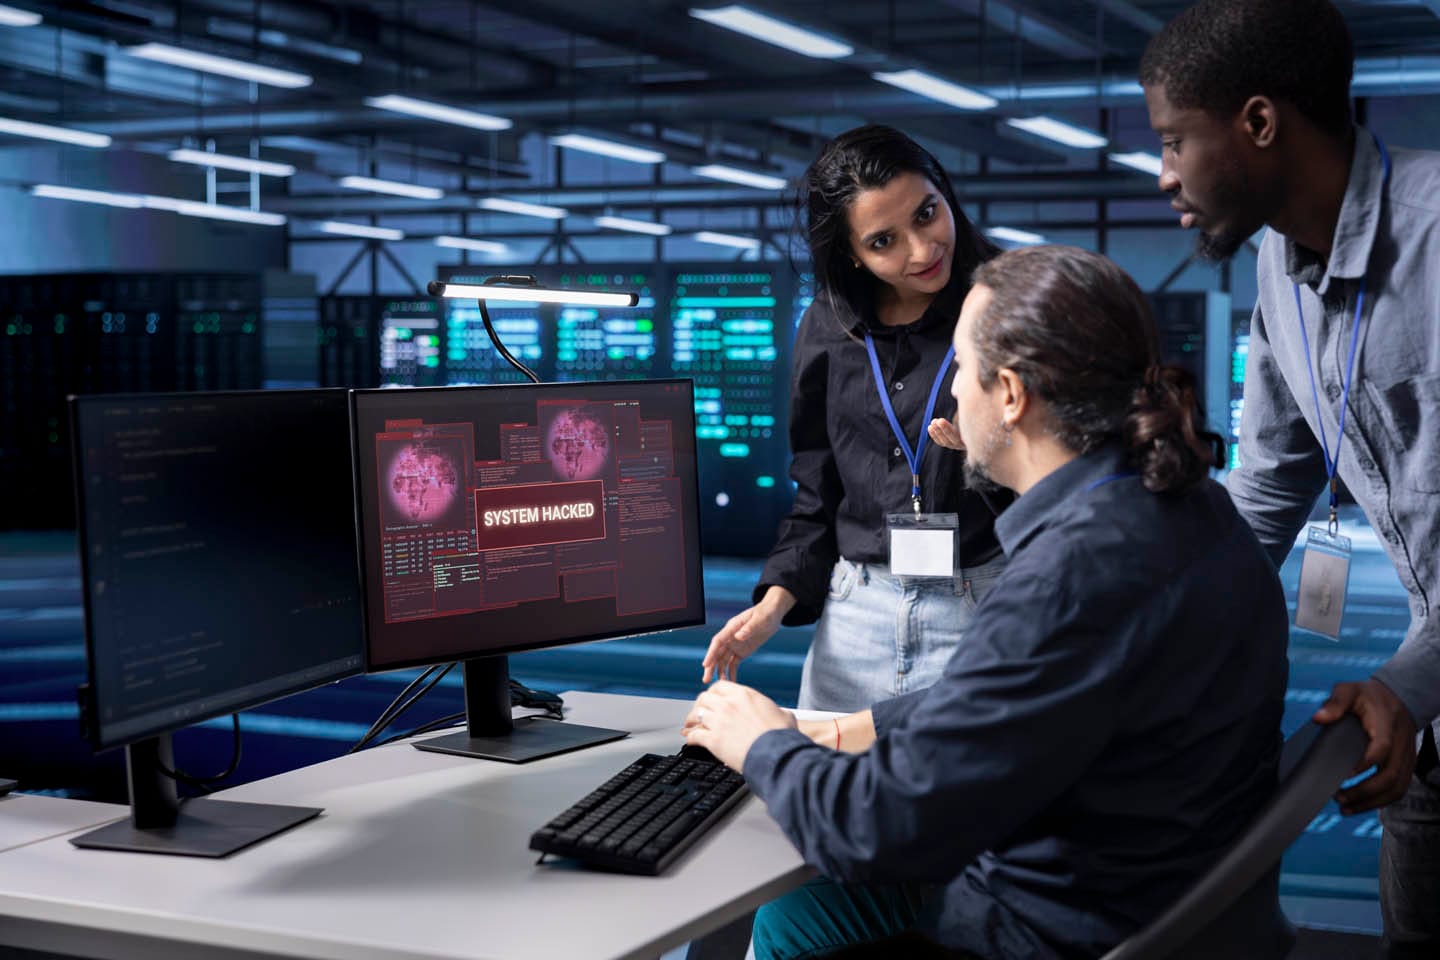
{"x": 922, "y": 544}
{"x": 1324, "y": 578}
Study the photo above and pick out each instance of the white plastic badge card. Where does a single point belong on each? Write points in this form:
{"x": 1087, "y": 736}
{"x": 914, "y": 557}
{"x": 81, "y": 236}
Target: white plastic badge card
{"x": 923, "y": 544}
{"x": 1324, "y": 578}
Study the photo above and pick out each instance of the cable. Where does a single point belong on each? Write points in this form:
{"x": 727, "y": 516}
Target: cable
{"x": 520, "y": 280}
{"x": 388, "y": 714}
{"x": 495, "y": 339}
{"x": 207, "y": 783}
{"x": 425, "y": 728}
{"x": 393, "y": 712}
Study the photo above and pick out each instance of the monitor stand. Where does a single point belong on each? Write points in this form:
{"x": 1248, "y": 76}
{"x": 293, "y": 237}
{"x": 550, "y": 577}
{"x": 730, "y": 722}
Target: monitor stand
{"x": 160, "y": 823}
{"x": 490, "y": 732}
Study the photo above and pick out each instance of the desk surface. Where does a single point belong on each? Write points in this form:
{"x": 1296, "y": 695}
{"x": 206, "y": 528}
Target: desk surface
{"x": 25, "y": 819}
{"x": 417, "y": 855}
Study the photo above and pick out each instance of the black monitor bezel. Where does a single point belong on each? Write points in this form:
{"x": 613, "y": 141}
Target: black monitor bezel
{"x": 93, "y": 728}
{"x": 509, "y": 650}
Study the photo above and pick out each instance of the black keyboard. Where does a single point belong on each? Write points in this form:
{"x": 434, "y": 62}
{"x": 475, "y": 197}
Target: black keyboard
{"x": 644, "y": 817}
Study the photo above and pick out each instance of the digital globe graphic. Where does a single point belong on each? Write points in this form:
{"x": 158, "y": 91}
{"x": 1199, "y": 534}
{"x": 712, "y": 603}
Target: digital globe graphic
{"x": 578, "y": 445}
{"x": 424, "y": 482}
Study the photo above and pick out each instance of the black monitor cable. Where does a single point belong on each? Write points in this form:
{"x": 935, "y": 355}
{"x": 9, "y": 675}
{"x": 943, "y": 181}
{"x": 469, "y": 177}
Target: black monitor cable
{"x": 388, "y": 713}
{"x": 509, "y": 280}
{"x": 207, "y": 784}
{"x": 436, "y": 724}
{"x": 397, "y": 708}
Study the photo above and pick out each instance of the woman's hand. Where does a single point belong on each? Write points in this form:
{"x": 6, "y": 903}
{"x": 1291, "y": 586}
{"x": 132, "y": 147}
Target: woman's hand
{"x": 745, "y": 633}
{"x": 727, "y": 719}
{"x": 943, "y": 432}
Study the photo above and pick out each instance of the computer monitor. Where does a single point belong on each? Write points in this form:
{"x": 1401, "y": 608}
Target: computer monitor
{"x": 498, "y": 519}
{"x": 217, "y": 542}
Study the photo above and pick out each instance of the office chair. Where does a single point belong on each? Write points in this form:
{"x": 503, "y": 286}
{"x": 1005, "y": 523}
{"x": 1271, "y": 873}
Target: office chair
{"x": 1314, "y": 762}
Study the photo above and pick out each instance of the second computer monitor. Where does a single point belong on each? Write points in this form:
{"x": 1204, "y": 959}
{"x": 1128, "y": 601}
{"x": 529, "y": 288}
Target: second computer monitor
{"x": 500, "y": 519}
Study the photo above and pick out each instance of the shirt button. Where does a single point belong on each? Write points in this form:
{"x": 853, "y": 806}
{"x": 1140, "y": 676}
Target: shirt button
{"x": 1332, "y": 391}
{"x": 895, "y": 452}
{"x": 899, "y": 385}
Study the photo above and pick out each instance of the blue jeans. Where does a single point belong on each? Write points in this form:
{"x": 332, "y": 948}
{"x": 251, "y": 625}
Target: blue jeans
{"x": 880, "y": 636}
{"x": 824, "y": 917}
{"x": 1410, "y": 864}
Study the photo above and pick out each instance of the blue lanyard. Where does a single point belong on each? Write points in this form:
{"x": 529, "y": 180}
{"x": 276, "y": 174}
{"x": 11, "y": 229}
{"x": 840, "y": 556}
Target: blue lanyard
{"x": 1333, "y": 463}
{"x": 1112, "y": 478}
{"x": 915, "y": 456}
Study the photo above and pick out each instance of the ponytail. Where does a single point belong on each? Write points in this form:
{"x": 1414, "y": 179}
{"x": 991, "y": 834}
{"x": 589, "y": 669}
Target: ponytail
{"x": 1171, "y": 452}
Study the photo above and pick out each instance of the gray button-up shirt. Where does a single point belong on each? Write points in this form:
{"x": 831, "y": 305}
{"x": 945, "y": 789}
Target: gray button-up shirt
{"x": 1390, "y": 459}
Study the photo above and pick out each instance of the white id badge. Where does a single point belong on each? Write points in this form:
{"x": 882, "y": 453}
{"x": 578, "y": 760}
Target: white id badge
{"x": 1324, "y": 577}
{"x": 922, "y": 544}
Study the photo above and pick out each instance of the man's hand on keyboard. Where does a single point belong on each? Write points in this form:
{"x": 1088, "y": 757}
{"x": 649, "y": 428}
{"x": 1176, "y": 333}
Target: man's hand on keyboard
{"x": 727, "y": 719}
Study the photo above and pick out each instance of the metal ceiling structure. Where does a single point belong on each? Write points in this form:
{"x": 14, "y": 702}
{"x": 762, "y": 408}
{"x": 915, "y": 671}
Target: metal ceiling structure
{"x": 647, "y": 72}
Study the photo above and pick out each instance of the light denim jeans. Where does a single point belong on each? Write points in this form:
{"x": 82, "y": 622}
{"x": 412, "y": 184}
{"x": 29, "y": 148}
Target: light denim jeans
{"x": 880, "y": 636}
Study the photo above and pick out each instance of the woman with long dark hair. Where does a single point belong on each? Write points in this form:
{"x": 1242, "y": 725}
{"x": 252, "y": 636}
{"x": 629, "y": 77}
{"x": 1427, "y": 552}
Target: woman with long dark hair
{"x": 892, "y": 253}
{"x": 1111, "y": 722}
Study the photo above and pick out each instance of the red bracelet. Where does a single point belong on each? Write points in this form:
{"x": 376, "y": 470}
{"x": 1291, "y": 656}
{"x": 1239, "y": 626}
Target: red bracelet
{"x": 836, "y": 720}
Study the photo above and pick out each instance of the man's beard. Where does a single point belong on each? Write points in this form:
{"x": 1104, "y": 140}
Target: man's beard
{"x": 1217, "y": 248}
{"x": 977, "y": 472}
{"x": 1253, "y": 210}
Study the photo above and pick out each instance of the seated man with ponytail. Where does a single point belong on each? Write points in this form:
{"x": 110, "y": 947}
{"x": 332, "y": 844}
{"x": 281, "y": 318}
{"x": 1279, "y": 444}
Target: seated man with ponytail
{"x": 1112, "y": 720}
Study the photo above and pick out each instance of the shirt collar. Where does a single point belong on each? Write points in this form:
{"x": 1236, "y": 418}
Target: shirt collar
{"x": 1041, "y": 506}
{"x": 1354, "y": 230}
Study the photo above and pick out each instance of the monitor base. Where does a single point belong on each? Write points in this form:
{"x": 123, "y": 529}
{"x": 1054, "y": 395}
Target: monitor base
{"x": 531, "y": 739}
{"x": 202, "y": 828}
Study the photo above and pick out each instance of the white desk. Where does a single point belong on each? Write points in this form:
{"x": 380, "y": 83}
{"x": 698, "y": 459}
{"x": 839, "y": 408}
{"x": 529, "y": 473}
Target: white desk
{"x": 417, "y": 855}
{"x": 26, "y": 819}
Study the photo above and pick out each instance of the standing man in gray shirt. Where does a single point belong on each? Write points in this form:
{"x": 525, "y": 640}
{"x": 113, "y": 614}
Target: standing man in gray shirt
{"x": 1251, "y": 100}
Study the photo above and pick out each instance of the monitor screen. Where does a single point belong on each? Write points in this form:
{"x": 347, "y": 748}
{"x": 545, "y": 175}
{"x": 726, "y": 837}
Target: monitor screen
{"x": 217, "y": 536}
{"x": 504, "y": 518}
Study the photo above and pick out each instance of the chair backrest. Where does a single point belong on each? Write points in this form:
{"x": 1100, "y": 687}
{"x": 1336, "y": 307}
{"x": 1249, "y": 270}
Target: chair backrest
{"x": 1315, "y": 761}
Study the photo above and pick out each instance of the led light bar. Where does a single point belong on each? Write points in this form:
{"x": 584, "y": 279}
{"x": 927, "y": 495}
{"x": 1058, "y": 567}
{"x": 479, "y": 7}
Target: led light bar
{"x": 778, "y": 32}
{"x": 343, "y": 229}
{"x": 607, "y": 148}
{"x": 439, "y": 111}
{"x": 465, "y": 243}
{"x": 473, "y": 291}
{"x": 215, "y": 211}
{"x": 268, "y": 168}
{"x": 109, "y": 199}
{"x": 1060, "y": 132}
{"x": 13, "y": 17}
{"x": 392, "y": 187}
{"x": 43, "y": 131}
{"x": 634, "y": 226}
{"x": 224, "y": 66}
{"x": 937, "y": 89}
{"x": 1139, "y": 160}
{"x": 746, "y": 178}
{"x": 728, "y": 240}
{"x": 1011, "y": 235}
{"x": 523, "y": 209}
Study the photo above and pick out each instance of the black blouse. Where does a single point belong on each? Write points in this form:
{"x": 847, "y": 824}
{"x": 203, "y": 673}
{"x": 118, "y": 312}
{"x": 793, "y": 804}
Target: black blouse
{"x": 848, "y": 468}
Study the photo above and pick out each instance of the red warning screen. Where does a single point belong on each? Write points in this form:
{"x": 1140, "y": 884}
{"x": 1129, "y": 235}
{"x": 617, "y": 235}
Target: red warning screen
{"x": 498, "y": 519}
{"x": 539, "y": 514}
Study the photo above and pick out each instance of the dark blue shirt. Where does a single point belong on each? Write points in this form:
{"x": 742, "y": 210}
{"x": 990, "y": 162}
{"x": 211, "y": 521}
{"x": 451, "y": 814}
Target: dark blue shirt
{"x": 1110, "y": 723}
